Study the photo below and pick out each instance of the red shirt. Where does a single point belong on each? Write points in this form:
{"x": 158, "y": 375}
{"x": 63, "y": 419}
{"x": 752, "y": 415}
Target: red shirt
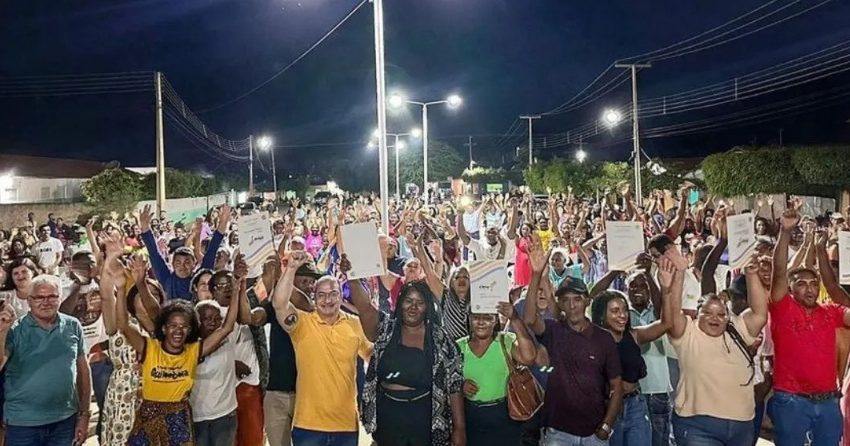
{"x": 804, "y": 343}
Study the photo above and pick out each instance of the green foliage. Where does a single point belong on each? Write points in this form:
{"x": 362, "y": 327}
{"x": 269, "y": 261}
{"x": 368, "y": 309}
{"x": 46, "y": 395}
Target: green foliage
{"x": 479, "y": 174}
{"x": 819, "y": 171}
{"x": 182, "y": 184}
{"x": 114, "y": 189}
{"x": 443, "y": 162}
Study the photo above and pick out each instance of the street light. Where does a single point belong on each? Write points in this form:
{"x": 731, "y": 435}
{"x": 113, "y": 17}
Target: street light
{"x": 265, "y": 143}
{"x": 581, "y": 155}
{"x": 397, "y": 100}
{"x": 611, "y": 117}
{"x": 397, "y": 145}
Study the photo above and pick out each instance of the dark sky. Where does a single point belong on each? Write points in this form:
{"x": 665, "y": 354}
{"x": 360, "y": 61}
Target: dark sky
{"x": 505, "y": 57}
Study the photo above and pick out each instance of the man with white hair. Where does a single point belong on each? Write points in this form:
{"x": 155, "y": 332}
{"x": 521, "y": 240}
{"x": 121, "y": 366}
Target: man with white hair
{"x": 48, "y": 380}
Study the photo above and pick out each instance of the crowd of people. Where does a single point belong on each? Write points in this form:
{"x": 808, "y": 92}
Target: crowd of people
{"x": 179, "y": 341}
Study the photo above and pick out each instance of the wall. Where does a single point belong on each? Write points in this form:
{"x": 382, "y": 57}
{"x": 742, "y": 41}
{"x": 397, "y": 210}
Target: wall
{"x": 13, "y": 215}
{"x": 178, "y": 209}
{"x": 37, "y": 190}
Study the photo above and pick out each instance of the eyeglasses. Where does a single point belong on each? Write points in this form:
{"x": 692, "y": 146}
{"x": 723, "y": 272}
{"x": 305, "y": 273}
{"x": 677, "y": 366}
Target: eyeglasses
{"x": 325, "y": 296}
{"x": 42, "y": 299}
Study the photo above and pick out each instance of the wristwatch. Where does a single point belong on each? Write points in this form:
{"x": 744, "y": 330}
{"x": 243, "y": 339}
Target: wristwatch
{"x": 84, "y": 413}
{"x": 606, "y": 428}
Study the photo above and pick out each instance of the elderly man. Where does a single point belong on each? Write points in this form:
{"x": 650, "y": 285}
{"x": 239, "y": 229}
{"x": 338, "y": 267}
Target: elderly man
{"x": 48, "y": 381}
{"x": 326, "y": 339}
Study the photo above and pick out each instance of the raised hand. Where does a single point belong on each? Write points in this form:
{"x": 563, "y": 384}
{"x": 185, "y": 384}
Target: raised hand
{"x": 536, "y": 256}
{"x": 644, "y": 261}
{"x": 505, "y": 309}
{"x": 240, "y": 267}
{"x": 113, "y": 243}
{"x": 822, "y": 238}
{"x": 790, "y": 219}
{"x": 344, "y": 264}
{"x": 145, "y": 218}
{"x": 298, "y": 258}
{"x": 752, "y": 266}
{"x": 139, "y": 268}
{"x": 90, "y": 223}
{"x": 666, "y": 272}
{"x": 7, "y": 316}
{"x": 223, "y": 218}
{"x": 676, "y": 257}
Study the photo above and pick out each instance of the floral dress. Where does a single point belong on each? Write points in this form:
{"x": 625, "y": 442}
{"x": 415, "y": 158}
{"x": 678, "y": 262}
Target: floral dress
{"x": 122, "y": 393}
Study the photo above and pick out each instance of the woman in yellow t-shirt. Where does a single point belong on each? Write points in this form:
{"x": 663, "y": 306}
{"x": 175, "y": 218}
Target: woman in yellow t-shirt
{"x": 168, "y": 370}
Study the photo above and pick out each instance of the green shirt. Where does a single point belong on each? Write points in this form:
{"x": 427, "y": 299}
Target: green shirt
{"x": 490, "y": 371}
{"x": 41, "y": 372}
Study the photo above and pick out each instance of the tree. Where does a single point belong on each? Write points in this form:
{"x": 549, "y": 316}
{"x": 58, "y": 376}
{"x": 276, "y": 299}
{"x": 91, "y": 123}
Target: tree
{"x": 480, "y": 174}
{"x": 114, "y": 189}
{"x": 443, "y": 162}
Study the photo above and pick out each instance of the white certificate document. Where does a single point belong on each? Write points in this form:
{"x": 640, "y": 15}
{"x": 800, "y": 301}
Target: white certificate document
{"x": 360, "y": 244}
{"x": 742, "y": 238}
{"x": 255, "y": 238}
{"x": 844, "y": 258}
{"x": 625, "y": 242}
{"x": 489, "y": 285}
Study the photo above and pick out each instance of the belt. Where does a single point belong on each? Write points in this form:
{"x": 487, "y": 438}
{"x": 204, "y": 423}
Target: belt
{"x": 406, "y": 400}
{"x": 820, "y": 397}
{"x": 632, "y": 394}
{"x": 486, "y": 403}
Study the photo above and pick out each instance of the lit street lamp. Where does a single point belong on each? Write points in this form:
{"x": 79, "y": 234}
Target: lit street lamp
{"x": 581, "y": 155}
{"x": 611, "y": 117}
{"x": 452, "y": 101}
{"x": 265, "y": 143}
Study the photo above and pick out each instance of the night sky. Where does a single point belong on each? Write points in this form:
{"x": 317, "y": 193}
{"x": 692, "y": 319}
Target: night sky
{"x": 505, "y": 57}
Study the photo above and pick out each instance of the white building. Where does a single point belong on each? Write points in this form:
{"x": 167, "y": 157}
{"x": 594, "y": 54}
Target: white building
{"x": 34, "y": 179}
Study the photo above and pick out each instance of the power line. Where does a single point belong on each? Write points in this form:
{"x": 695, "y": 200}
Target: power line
{"x": 287, "y": 67}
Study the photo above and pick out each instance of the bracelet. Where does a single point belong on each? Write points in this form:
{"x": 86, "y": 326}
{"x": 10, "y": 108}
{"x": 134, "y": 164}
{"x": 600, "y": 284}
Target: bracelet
{"x": 84, "y": 413}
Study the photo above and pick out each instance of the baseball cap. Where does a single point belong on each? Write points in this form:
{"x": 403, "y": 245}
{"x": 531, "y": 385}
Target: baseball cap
{"x": 308, "y": 270}
{"x": 572, "y": 285}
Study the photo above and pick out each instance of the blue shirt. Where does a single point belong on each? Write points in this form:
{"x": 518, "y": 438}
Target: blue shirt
{"x": 41, "y": 372}
{"x": 177, "y": 287}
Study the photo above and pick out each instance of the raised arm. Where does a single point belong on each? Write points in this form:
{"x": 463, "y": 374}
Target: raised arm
{"x": 827, "y": 274}
{"x": 367, "y": 312}
{"x": 709, "y": 267}
{"x": 513, "y": 220}
{"x": 212, "y": 342}
{"x": 538, "y": 262}
{"x": 256, "y": 317}
{"x": 604, "y": 283}
{"x": 779, "y": 284}
{"x": 678, "y": 222}
{"x": 671, "y": 273}
{"x": 755, "y": 317}
{"x": 160, "y": 268}
{"x": 95, "y": 248}
{"x": 461, "y": 230}
{"x": 432, "y": 277}
{"x": 224, "y": 214}
{"x": 525, "y": 349}
{"x": 285, "y": 312}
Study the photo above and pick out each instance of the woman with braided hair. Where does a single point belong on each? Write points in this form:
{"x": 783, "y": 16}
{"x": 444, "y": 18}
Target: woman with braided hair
{"x": 714, "y": 401}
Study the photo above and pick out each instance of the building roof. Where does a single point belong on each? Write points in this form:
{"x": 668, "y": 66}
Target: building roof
{"x": 44, "y": 167}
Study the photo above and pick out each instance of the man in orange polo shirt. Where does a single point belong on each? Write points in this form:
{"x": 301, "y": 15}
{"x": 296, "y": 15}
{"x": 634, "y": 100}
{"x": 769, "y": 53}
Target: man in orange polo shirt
{"x": 327, "y": 343}
{"x": 805, "y": 379}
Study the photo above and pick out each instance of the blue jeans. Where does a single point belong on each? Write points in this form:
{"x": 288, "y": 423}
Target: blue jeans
{"x": 217, "y": 432}
{"x": 632, "y": 427}
{"x": 794, "y": 416}
{"x": 659, "y": 408}
{"x": 100, "y": 373}
{"x": 304, "y": 437}
{"x": 552, "y": 437}
{"x": 757, "y": 420}
{"x": 702, "y": 430}
{"x": 60, "y": 433}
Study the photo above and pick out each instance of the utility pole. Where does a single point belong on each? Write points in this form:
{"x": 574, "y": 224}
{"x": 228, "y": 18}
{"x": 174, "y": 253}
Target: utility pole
{"x": 780, "y": 136}
{"x": 530, "y": 118}
{"x": 160, "y": 149}
{"x": 635, "y": 129}
{"x": 251, "y": 165}
{"x": 274, "y": 175}
{"x": 470, "y": 144}
{"x": 381, "y": 94}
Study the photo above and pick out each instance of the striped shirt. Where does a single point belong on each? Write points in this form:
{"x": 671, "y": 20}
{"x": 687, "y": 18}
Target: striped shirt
{"x": 455, "y": 315}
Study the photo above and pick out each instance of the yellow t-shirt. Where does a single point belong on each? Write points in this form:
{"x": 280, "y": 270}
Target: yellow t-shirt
{"x": 545, "y": 238}
{"x": 168, "y": 378}
{"x": 326, "y": 359}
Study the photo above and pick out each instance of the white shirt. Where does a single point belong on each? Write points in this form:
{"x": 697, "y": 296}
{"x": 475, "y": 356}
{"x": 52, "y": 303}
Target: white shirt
{"x": 21, "y": 306}
{"x": 483, "y": 250}
{"x": 45, "y": 253}
{"x": 244, "y": 351}
{"x": 214, "y": 392}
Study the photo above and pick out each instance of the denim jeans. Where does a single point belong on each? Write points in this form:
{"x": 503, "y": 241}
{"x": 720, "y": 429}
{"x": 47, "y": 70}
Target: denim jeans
{"x": 304, "y": 437}
{"x": 217, "y": 432}
{"x": 659, "y": 408}
{"x": 552, "y": 437}
{"x": 757, "y": 420}
{"x": 60, "y": 433}
{"x": 794, "y": 416}
{"x": 100, "y": 373}
{"x": 702, "y": 430}
{"x": 632, "y": 427}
